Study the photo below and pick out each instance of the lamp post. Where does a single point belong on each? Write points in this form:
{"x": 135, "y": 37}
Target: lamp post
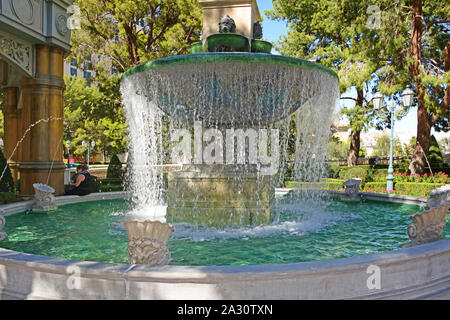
{"x": 89, "y": 146}
{"x": 407, "y": 100}
{"x": 68, "y": 153}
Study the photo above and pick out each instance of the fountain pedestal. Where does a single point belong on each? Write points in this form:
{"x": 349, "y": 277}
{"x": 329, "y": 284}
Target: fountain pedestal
{"x": 218, "y": 195}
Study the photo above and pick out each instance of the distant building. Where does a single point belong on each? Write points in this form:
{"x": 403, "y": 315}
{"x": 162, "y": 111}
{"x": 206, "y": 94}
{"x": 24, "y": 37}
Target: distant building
{"x": 369, "y": 140}
{"x": 86, "y": 71}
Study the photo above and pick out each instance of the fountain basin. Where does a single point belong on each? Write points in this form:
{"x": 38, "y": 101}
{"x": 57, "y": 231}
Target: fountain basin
{"x": 30, "y": 276}
{"x": 227, "y": 42}
{"x": 230, "y": 89}
{"x": 261, "y": 46}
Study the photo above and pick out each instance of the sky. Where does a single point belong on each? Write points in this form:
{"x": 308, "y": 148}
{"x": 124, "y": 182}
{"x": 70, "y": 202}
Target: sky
{"x": 404, "y": 128}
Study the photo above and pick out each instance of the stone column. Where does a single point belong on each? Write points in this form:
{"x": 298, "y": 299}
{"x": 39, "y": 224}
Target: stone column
{"x": 11, "y": 116}
{"x": 42, "y": 97}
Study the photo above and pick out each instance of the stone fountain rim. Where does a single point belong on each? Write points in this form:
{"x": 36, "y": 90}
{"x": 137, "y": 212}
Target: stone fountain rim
{"x": 234, "y": 279}
{"x": 229, "y": 57}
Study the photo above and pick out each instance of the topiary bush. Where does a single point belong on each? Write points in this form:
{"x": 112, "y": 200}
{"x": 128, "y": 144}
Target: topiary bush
{"x": 434, "y": 154}
{"x": 333, "y": 169}
{"x": 7, "y": 182}
{"x": 115, "y": 168}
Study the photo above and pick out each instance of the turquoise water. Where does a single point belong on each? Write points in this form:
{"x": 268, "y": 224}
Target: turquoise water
{"x": 94, "y": 231}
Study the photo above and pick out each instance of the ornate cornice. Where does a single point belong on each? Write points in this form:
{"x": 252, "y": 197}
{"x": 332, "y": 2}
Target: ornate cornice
{"x": 18, "y": 52}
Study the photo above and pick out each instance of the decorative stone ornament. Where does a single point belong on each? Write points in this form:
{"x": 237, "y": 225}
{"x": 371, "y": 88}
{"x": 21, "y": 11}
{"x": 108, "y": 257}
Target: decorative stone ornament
{"x": 148, "y": 242}
{"x": 227, "y": 25}
{"x": 45, "y": 200}
{"x": 2, "y": 233}
{"x": 427, "y": 226}
{"x": 257, "y": 30}
{"x": 61, "y": 25}
{"x": 439, "y": 196}
{"x": 352, "y": 188}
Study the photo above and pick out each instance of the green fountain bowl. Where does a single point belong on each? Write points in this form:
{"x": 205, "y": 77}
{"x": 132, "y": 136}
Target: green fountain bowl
{"x": 196, "y": 47}
{"x": 227, "y": 42}
{"x": 261, "y": 46}
{"x": 232, "y": 88}
{"x": 227, "y": 57}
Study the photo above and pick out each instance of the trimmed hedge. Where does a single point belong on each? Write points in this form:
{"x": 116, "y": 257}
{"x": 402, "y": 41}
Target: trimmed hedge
{"x": 416, "y": 189}
{"x": 329, "y": 184}
{"x": 380, "y": 186}
{"x": 9, "y": 197}
{"x": 106, "y": 185}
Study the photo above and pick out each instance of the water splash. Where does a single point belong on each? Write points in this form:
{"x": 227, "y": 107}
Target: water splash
{"x": 23, "y": 137}
{"x": 225, "y": 95}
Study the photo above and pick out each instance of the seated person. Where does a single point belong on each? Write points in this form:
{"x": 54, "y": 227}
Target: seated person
{"x": 82, "y": 185}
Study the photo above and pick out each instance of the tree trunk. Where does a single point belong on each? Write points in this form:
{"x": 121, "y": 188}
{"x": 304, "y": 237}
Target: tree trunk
{"x": 130, "y": 31}
{"x": 355, "y": 134}
{"x": 418, "y": 162}
{"x": 355, "y": 143}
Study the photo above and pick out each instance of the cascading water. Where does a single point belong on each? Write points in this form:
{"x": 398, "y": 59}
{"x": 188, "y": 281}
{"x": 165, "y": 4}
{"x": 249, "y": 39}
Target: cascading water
{"x": 226, "y": 92}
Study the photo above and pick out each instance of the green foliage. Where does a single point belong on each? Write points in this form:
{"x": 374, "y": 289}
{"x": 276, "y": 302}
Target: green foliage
{"x": 356, "y": 172}
{"x": 94, "y": 113}
{"x": 434, "y": 154}
{"x": 7, "y": 182}
{"x": 331, "y": 184}
{"x": 382, "y": 146}
{"x": 9, "y": 197}
{"x": 376, "y": 187}
{"x": 333, "y": 169}
{"x": 129, "y": 32}
{"x": 336, "y": 149}
{"x": 416, "y": 189}
{"x": 106, "y": 185}
{"x": 115, "y": 168}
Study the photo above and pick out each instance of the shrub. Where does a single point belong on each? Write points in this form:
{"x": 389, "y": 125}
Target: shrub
{"x": 439, "y": 177}
{"x": 378, "y": 187}
{"x": 434, "y": 154}
{"x": 356, "y": 172}
{"x": 333, "y": 169}
{"x": 9, "y": 197}
{"x": 114, "y": 169}
{"x": 328, "y": 184}
{"x": 96, "y": 184}
{"x": 416, "y": 189}
{"x": 7, "y": 182}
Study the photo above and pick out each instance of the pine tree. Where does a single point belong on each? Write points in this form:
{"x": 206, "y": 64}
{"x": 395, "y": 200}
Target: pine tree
{"x": 7, "y": 182}
{"x": 435, "y": 155}
{"x": 115, "y": 168}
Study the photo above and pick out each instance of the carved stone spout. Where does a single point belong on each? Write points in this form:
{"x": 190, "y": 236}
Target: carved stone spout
{"x": 352, "y": 189}
{"x": 439, "y": 196}
{"x": 148, "y": 242}
{"x": 45, "y": 200}
{"x": 2, "y": 233}
{"x": 427, "y": 226}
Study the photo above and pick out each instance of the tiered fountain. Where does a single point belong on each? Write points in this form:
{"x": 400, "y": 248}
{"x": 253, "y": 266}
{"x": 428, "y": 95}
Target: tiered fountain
{"x": 232, "y": 94}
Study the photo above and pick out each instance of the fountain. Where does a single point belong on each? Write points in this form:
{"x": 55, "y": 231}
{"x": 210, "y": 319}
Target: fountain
{"x": 209, "y": 142}
{"x": 226, "y": 111}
